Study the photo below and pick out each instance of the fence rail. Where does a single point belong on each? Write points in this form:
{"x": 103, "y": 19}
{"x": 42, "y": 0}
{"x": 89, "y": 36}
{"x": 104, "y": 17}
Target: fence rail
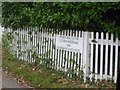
{"x": 98, "y": 56}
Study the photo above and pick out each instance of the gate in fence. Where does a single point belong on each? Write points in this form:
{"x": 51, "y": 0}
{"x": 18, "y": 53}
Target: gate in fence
{"x": 75, "y": 52}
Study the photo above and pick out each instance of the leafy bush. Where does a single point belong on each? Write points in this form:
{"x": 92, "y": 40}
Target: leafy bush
{"x": 71, "y": 15}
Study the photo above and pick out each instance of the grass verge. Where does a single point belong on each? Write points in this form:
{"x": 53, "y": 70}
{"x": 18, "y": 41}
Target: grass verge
{"x": 42, "y": 77}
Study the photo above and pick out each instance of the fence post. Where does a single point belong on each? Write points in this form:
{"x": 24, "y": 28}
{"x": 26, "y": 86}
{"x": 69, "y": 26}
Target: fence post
{"x": 86, "y": 53}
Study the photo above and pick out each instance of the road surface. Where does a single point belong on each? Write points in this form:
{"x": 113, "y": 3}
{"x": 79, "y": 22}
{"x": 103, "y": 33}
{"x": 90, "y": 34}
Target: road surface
{"x": 9, "y": 82}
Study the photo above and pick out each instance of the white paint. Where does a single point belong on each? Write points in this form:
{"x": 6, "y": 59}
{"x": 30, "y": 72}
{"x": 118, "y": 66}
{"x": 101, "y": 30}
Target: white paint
{"x": 86, "y": 55}
{"x": 101, "y": 58}
{"x": 1, "y": 32}
{"x": 69, "y": 43}
{"x": 91, "y": 57}
{"x": 96, "y": 57}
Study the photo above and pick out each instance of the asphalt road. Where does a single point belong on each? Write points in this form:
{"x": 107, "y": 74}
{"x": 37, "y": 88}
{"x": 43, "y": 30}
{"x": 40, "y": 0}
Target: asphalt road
{"x": 9, "y": 82}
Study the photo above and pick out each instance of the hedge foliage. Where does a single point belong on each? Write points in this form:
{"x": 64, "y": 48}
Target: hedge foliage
{"x": 64, "y": 15}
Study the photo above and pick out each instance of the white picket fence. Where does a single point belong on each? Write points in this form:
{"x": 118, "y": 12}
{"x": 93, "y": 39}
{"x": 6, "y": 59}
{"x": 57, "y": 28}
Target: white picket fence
{"x": 97, "y": 58}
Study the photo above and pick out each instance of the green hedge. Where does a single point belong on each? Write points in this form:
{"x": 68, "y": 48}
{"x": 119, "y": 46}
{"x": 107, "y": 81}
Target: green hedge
{"x": 63, "y": 15}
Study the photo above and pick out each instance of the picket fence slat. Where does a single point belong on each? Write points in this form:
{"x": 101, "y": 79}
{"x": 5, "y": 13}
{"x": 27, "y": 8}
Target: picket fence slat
{"x": 91, "y": 59}
{"x": 96, "y": 57}
{"x": 106, "y": 54}
{"x": 65, "y": 57}
{"x": 101, "y": 58}
{"x": 116, "y": 60}
{"x": 81, "y": 60}
{"x": 111, "y": 57}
